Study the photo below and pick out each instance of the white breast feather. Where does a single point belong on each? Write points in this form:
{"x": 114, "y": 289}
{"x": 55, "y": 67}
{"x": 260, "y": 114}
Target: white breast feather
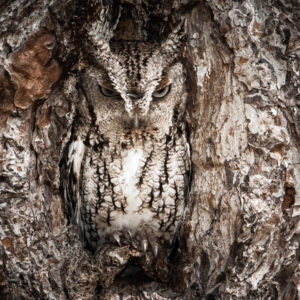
{"x": 128, "y": 182}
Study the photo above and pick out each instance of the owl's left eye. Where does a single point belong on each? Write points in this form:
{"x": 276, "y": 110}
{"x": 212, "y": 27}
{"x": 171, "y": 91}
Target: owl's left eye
{"x": 107, "y": 92}
{"x": 162, "y": 93}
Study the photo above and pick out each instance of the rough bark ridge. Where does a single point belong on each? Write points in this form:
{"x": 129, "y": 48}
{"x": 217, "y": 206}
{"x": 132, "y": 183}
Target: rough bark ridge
{"x": 240, "y": 239}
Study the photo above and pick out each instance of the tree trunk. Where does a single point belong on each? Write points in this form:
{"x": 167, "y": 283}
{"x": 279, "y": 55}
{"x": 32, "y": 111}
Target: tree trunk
{"x": 241, "y": 234}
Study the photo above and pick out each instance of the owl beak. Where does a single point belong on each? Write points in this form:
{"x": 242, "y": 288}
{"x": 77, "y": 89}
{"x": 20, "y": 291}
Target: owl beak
{"x": 136, "y": 121}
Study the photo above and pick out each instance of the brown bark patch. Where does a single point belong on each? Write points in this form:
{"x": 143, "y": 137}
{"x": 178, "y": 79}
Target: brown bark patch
{"x": 44, "y": 119}
{"x": 279, "y": 149}
{"x": 33, "y": 70}
{"x": 243, "y": 60}
{"x": 6, "y": 94}
{"x": 289, "y": 197}
{"x": 7, "y": 243}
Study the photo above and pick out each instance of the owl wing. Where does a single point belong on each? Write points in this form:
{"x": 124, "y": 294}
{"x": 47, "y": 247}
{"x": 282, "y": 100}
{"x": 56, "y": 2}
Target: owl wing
{"x": 70, "y": 178}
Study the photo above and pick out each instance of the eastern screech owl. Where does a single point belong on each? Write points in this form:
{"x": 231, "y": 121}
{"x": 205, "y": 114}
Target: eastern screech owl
{"x": 126, "y": 168}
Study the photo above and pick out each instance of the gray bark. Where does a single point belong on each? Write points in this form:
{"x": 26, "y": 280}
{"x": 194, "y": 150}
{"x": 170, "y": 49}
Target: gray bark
{"x": 241, "y": 235}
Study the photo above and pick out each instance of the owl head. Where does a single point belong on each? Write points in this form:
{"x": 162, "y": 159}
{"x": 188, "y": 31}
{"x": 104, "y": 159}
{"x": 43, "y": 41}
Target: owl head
{"x": 135, "y": 85}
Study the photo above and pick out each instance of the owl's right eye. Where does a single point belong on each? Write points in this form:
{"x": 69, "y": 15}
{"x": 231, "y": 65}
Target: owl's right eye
{"x": 162, "y": 93}
{"x": 107, "y": 92}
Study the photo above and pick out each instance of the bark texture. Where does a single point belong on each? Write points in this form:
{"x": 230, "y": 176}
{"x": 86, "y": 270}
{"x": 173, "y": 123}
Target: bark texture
{"x": 241, "y": 235}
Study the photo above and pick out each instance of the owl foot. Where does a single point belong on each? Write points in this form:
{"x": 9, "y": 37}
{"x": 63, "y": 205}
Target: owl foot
{"x": 121, "y": 237}
{"x": 150, "y": 242}
{"x": 145, "y": 247}
{"x": 152, "y": 248}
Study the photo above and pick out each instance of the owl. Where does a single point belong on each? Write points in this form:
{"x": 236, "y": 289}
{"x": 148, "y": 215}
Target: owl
{"x": 126, "y": 168}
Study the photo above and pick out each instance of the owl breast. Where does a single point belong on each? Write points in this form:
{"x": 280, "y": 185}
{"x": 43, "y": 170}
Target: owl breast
{"x": 135, "y": 182}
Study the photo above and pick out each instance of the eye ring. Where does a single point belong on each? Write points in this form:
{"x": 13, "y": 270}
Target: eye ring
{"x": 162, "y": 93}
{"x": 107, "y": 92}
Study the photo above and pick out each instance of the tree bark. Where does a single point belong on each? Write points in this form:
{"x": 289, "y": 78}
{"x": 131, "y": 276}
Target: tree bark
{"x": 241, "y": 234}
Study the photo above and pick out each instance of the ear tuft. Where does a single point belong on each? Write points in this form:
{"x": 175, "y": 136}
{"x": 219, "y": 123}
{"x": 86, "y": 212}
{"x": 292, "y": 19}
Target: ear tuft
{"x": 99, "y": 32}
{"x": 175, "y": 42}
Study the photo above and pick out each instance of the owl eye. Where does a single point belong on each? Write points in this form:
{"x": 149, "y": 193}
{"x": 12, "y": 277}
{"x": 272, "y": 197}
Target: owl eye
{"x": 107, "y": 92}
{"x": 162, "y": 93}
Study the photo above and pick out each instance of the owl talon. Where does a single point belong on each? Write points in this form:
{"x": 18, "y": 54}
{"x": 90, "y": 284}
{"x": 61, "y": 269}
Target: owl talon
{"x": 145, "y": 237}
{"x": 117, "y": 238}
{"x": 129, "y": 233}
{"x": 145, "y": 245}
